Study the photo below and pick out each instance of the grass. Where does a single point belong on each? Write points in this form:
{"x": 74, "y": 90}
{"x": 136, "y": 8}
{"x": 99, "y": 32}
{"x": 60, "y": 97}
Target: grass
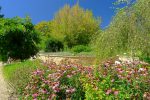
{"x": 17, "y": 74}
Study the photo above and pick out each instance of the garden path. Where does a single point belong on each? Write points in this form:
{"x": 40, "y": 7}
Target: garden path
{"x": 5, "y": 93}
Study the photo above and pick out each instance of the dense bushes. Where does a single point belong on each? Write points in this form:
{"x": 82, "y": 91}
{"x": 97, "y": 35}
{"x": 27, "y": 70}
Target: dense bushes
{"x": 81, "y": 48}
{"x": 53, "y": 45}
{"x": 74, "y": 81}
{"x": 18, "y": 39}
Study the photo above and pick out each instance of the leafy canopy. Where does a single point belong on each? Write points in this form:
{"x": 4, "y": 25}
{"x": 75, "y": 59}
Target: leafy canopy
{"x": 18, "y": 38}
{"x": 74, "y": 25}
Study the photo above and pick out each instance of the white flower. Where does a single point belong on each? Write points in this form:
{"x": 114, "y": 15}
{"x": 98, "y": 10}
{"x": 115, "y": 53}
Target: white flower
{"x": 141, "y": 69}
{"x": 117, "y": 63}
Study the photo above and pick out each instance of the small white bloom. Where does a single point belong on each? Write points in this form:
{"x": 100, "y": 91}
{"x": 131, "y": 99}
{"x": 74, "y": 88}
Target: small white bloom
{"x": 117, "y": 62}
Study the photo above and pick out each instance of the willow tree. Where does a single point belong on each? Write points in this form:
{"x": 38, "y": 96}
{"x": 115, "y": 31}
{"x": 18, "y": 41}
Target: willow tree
{"x": 128, "y": 32}
{"x": 74, "y": 25}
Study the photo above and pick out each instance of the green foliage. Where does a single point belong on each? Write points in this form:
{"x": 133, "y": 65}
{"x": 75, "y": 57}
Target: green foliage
{"x": 145, "y": 58}
{"x": 81, "y": 48}
{"x": 53, "y": 45}
{"x": 18, "y": 38}
{"x": 44, "y": 28}
{"x": 17, "y": 74}
{"x": 74, "y": 25}
{"x": 128, "y": 32}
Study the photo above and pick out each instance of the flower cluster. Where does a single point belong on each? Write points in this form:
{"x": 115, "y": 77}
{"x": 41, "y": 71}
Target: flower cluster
{"x": 75, "y": 81}
{"x": 117, "y": 79}
{"x": 55, "y": 81}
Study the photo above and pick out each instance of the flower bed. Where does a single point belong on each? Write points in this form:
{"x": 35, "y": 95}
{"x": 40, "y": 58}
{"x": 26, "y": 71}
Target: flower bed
{"x": 74, "y": 81}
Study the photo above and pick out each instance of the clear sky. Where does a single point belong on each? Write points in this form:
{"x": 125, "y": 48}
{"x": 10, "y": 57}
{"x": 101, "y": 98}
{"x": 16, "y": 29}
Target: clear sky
{"x": 40, "y": 10}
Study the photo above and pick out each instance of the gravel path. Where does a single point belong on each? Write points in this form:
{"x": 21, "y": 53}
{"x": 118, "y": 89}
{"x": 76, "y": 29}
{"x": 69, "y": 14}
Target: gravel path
{"x": 5, "y": 93}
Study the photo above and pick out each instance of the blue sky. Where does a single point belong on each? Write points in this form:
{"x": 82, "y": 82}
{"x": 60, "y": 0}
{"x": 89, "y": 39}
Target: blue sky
{"x": 40, "y": 10}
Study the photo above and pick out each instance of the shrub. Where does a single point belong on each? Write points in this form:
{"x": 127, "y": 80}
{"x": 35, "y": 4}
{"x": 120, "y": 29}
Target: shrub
{"x": 53, "y": 45}
{"x": 81, "y": 48}
{"x": 18, "y": 39}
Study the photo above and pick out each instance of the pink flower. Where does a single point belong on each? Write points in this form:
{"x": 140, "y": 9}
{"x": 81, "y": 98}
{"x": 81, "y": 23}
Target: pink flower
{"x": 112, "y": 80}
{"x": 69, "y": 76}
{"x": 44, "y": 91}
{"x": 37, "y": 72}
{"x": 56, "y": 90}
{"x": 55, "y": 87}
{"x": 116, "y": 92}
{"x": 70, "y": 90}
{"x": 35, "y": 95}
{"x": 108, "y": 91}
{"x": 121, "y": 71}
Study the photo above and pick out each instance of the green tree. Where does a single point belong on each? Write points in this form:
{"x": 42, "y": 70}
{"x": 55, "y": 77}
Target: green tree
{"x": 44, "y": 27}
{"x": 45, "y": 32}
{"x": 128, "y": 32}
{"x": 18, "y": 38}
{"x": 74, "y": 25}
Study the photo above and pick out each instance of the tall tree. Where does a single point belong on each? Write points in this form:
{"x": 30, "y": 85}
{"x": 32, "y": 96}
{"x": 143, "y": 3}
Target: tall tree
{"x": 128, "y": 32}
{"x": 74, "y": 25}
